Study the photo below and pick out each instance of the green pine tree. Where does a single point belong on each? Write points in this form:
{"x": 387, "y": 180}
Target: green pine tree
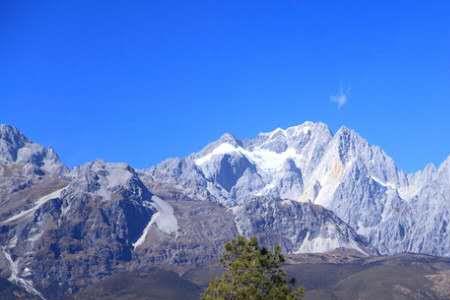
{"x": 251, "y": 273}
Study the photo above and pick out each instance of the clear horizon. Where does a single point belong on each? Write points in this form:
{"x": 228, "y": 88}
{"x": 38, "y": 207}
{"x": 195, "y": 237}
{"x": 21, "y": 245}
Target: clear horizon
{"x": 140, "y": 82}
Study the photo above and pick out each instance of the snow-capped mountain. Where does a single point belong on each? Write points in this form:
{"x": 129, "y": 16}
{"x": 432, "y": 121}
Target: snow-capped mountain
{"x": 396, "y": 212}
{"x": 304, "y": 187}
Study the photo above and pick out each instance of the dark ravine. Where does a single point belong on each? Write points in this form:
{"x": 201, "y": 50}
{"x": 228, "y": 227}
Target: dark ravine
{"x": 107, "y": 231}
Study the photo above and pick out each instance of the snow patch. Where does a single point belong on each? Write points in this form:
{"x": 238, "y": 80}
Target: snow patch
{"x": 263, "y": 159}
{"x": 222, "y": 149}
{"x": 304, "y": 128}
{"x": 109, "y": 176}
{"x": 118, "y": 175}
{"x": 318, "y": 244}
{"x": 164, "y": 219}
{"x": 326, "y": 241}
{"x": 385, "y": 184}
{"x": 29, "y": 212}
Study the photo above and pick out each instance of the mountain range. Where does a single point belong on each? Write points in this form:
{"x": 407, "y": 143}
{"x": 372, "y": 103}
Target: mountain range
{"x": 305, "y": 188}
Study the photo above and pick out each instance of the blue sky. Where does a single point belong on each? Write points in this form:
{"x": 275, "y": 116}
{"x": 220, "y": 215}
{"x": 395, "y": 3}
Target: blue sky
{"x": 140, "y": 81}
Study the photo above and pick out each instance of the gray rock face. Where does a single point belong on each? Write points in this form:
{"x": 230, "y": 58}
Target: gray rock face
{"x": 11, "y": 140}
{"x": 303, "y": 187}
{"x": 78, "y": 233}
{"x": 272, "y": 168}
{"x": 65, "y": 229}
{"x": 297, "y": 227}
{"x": 16, "y": 149}
{"x": 202, "y": 230}
{"x": 28, "y": 171}
{"x": 396, "y": 212}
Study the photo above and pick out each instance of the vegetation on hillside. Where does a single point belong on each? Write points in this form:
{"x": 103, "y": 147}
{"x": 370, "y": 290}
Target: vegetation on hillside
{"x": 251, "y": 273}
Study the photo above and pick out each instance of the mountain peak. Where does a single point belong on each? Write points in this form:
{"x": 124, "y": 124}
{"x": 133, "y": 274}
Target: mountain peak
{"x": 307, "y": 125}
{"x": 296, "y": 130}
{"x": 444, "y": 167}
{"x": 229, "y": 138}
{"x": 11, "y": 134}
{"x": 11, "y": 140}
{"x": 101, "y": 167}
{"x": 226, "y": 138}
{"x": 16, "y": 148}
{"x": 348, "y": 140}
{"x": 7, "y": 127}
{"x": 346, "y": 131}
{"x": 104, "y": 178}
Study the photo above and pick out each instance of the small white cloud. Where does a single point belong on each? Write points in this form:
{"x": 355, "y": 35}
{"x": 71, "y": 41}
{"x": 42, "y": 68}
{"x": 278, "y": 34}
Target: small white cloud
{"x": 341, "y": 98}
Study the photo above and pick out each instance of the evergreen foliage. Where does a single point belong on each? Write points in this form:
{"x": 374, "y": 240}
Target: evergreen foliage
{"x": 251, "y": 273}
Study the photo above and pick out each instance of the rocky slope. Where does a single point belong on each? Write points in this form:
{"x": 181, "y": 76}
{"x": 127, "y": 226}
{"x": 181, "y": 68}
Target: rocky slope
{"x": 304, "y": 188}
{"x": 76, "y": 233}
{"x": 394, "y": 211}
